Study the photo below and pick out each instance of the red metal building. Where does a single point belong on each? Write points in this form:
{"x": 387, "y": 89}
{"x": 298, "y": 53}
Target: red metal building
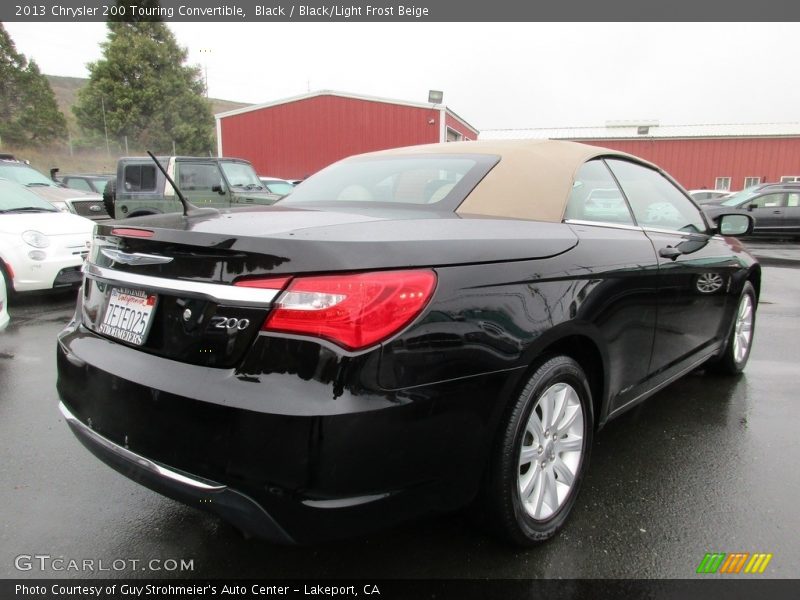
{"x": 296, "y": 137}
{"x": 728, "y": 157}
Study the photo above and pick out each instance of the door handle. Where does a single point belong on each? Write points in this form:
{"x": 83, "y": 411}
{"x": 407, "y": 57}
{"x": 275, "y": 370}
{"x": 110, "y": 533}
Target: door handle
{"x": 776, "y": 212}
{"x": 669, "y": 252}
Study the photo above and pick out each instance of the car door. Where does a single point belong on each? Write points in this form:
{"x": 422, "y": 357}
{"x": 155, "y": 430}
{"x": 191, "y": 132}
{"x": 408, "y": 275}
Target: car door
{"x": 791, "y": 214}
{"x": 202, "y": 184}
{"x": 768, "y": 210}
{"x": 623, "y": 277}
{"x": 694, "y": 269}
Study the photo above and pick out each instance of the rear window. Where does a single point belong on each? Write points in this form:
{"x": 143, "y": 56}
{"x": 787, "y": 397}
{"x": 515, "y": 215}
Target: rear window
{"x": 140, "y": 178}
{"x": 440, "y": 181}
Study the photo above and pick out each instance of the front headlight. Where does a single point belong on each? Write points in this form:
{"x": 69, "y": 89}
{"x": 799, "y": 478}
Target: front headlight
{"x": 36, "y": 239}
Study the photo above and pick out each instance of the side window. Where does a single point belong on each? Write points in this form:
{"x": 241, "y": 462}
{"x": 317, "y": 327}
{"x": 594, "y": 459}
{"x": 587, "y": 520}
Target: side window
{"x": 140, "y": 178}
{"x": 767, "y": 201}
{"x": 76, "y": 183}
{"x": 793, "y": 200}
{"x": 655, "y": 201}
{"x": 198, "y": 177}
{"x": 596, "y": 197}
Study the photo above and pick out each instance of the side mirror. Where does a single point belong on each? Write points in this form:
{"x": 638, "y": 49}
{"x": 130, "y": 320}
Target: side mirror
{"x": 750, "y": 207}
{"x": 219, "y": 188}
{"x": 735, "y": 224}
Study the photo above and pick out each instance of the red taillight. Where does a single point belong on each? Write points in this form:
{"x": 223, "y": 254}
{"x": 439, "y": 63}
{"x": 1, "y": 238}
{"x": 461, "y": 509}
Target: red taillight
{"x": 354, "y": 311}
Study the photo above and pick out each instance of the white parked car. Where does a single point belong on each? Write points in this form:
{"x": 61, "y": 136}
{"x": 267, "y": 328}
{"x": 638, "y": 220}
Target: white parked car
{"x": 63, "y": 198}
{"x": 707, "y": 196}
{"x": 41, "y": 248}
{"x": 3, "y": 305}
{"x": 276, "y": 185}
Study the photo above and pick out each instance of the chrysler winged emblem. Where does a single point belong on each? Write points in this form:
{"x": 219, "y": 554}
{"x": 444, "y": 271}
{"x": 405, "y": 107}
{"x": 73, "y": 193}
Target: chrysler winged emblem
{"x": 137, "y": 258}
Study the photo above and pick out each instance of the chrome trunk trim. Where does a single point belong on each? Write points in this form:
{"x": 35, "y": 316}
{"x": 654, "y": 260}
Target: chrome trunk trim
{"x": 135, "y": 258}
{"x": 221, "y": 294}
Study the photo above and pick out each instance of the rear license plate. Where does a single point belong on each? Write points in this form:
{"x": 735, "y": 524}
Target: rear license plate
{"x": 128, "y": 315}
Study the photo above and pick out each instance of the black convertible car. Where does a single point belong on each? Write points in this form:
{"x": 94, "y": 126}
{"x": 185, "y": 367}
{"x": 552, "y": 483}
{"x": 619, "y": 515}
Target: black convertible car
{"x": 409, "y": 331}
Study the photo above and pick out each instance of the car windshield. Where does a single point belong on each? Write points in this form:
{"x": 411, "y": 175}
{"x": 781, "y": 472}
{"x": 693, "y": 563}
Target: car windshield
{"x": 278, "y": 187}
{"x": 432, "y": 180}
{"x": 240, "y": 175}
{"x": 24, "y": 174}
{"x": 739, "y": 197}
{"x": 14, "y": 198}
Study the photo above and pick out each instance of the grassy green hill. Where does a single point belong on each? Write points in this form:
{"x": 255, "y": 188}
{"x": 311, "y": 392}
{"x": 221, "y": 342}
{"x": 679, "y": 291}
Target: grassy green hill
{"x": 71, "y": 159}
{"x": 66, "y": 91}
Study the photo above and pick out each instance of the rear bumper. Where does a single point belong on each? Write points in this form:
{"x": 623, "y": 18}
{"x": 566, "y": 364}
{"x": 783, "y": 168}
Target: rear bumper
{"x": 289, "y": 456}
{"x": 238, "y": 509}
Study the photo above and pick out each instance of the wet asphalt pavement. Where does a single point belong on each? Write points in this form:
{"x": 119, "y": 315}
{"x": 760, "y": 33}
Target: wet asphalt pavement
{"x": 709, "y": 464}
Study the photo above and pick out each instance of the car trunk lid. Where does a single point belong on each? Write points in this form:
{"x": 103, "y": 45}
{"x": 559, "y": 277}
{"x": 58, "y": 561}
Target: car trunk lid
{"x": 172, "y": 285}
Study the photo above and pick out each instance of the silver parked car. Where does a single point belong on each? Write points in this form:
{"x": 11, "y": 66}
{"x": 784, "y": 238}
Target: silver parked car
{"x": 89, "y": 205}
{"x": 704, "y": 196}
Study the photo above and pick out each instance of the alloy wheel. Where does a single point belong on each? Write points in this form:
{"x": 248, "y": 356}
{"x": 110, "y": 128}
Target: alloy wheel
{"x": 551, "y": 451}
{"x": 743, "y": 333}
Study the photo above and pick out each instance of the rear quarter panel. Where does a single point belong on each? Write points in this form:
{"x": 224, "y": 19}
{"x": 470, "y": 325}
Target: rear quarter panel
{"x": 504, "y": 316}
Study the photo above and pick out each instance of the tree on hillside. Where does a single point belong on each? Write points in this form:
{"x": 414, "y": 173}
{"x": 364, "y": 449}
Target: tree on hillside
{"x": 142, "y": 89}
{"x": 29, "y": 114}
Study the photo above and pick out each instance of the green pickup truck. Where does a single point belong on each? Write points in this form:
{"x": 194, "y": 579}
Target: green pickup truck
{"x": 140, "y": 187}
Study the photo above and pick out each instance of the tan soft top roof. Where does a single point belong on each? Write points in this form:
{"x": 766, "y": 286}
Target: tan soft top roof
{"x": 532, "y": 180}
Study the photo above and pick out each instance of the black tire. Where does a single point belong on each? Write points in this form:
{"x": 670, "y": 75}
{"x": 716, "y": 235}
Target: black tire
{"x": 110, "y": 196}
{"x": 508, "y": 514}
{"x": 734, "y": 359}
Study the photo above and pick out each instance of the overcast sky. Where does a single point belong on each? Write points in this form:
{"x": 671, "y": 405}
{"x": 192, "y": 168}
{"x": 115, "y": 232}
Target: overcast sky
{"x": 494, "y": 75}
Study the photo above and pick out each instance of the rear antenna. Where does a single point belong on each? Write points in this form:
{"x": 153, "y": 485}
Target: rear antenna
{"x": 189, "y": 209}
